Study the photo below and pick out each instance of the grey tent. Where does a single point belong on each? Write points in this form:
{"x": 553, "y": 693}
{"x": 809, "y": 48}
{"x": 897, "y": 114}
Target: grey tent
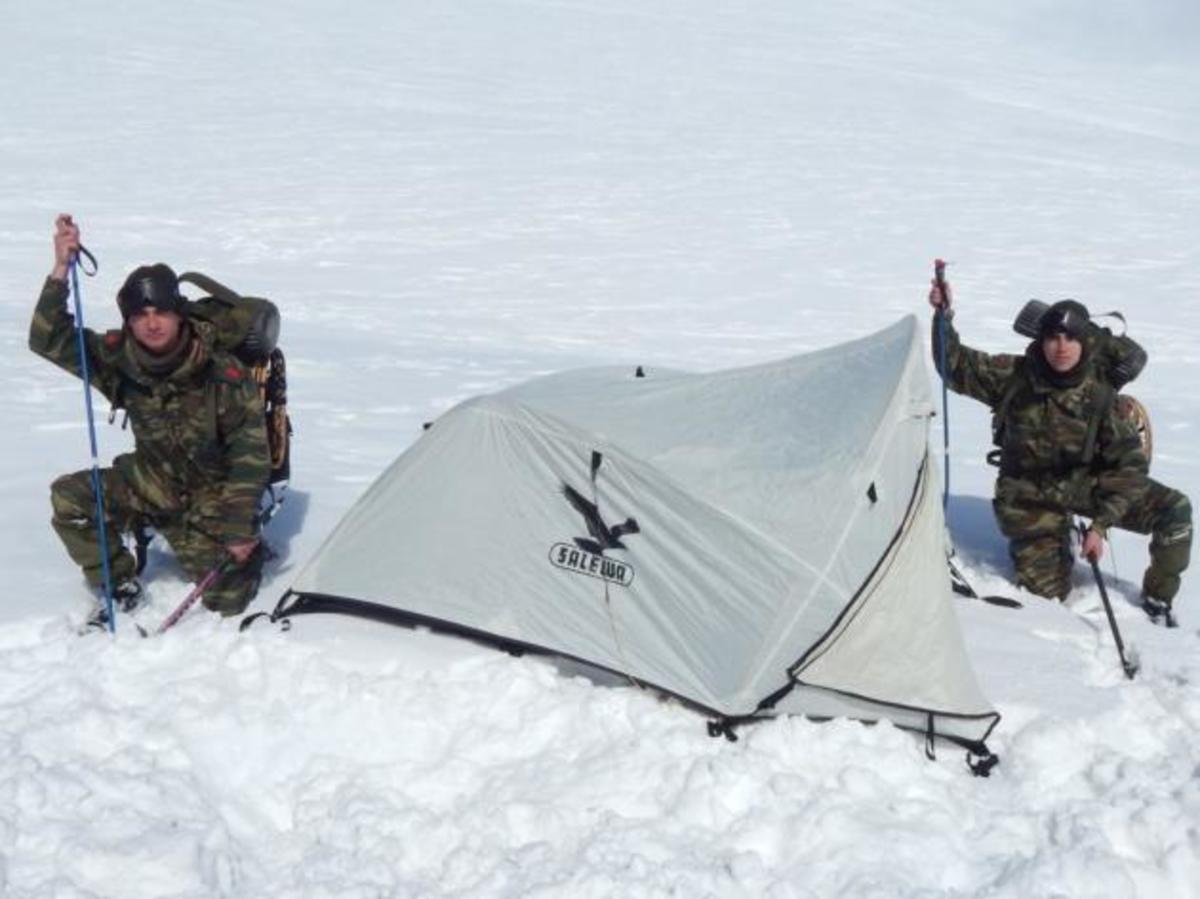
{"x": 756, "y": 541}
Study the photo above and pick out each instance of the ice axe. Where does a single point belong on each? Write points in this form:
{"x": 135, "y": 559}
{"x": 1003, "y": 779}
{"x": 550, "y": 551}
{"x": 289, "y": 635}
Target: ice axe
{"x": 192, "y": 598}
{"x": 1128, "y": 665}
{"x": 216, "y": 571}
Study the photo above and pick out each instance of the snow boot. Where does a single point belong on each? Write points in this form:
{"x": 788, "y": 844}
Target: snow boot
{"x": 127, "y": 596}
{"x": 1158, "y": 611}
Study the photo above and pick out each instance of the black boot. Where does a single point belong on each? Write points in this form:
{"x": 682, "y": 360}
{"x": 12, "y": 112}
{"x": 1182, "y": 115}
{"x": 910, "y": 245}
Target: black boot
{"x": 127, "y": 596}
{"x": 1158, "y": 611}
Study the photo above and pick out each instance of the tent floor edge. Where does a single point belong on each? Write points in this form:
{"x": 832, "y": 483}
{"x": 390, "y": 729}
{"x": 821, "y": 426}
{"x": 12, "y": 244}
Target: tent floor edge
{"x": 980, "y": 759}
{"x": 294, "y": 603}
{"x": 768, "y": 704}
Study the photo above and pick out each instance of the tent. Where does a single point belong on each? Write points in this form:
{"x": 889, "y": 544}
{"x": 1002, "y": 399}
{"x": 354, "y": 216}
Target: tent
{"x": 755, "y": 541}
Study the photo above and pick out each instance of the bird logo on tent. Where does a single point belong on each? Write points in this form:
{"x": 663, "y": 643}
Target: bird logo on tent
{"x": 586, "y": 556}
{"x": 602, "y": 536}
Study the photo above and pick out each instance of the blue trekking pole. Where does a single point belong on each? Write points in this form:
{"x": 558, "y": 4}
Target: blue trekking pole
{"x": 97, "y": 486}
{"x": 939, "y": 276}
{"x": 958, "y": 580}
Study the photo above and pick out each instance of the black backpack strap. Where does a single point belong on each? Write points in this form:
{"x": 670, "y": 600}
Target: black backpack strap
{"x": 1100, "y": 406}
{"x": 143, "y": 536}
{"x": 118, "y": 404}
{"x": 1018, "y": 380}
{"x": 210, "y": 401}
{"x": 212, "y": 287}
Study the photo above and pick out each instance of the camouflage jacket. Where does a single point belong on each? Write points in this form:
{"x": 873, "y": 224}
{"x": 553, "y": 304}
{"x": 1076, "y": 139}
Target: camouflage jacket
{"x": 1042, "y": 432}
{"x": 200, "y": 448}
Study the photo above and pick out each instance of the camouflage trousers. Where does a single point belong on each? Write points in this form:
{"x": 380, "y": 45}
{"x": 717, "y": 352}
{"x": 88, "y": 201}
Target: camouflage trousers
{"x": 74, "y": 521}
{"x": 1039, "y": 533}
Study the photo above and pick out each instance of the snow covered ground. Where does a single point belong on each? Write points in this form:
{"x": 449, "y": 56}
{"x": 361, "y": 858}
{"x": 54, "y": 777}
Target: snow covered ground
{"x": 449, "y": 198}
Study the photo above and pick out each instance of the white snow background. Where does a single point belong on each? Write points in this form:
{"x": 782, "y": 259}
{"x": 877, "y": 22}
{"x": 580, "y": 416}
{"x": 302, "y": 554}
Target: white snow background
{"x": 449, "y": 198}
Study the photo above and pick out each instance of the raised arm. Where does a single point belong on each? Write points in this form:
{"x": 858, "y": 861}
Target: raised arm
{"x": 52, "y": 330}
{"x": 974, "y": 373}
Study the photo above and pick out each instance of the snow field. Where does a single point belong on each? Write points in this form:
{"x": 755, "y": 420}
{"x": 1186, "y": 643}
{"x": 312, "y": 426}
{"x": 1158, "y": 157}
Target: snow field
{"x": 359, "y": 763}
{"x": 449, "y": 200}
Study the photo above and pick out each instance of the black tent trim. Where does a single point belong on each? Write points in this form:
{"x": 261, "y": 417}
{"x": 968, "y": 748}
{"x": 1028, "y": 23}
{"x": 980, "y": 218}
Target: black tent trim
{"x": 294, "y": 603}
{"x": 885, "y": 558}
{"x": 976, "y": 747}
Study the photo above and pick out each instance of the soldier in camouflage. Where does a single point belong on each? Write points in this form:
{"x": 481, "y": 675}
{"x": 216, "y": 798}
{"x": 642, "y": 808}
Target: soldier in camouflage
{"x": 1064, "y": 451}
{"x": 200, "y": 460}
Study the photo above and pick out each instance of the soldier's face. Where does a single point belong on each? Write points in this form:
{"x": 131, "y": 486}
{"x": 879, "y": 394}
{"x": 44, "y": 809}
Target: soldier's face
{"x": 156, "y": 331}
{"x": 1062, "y": 352}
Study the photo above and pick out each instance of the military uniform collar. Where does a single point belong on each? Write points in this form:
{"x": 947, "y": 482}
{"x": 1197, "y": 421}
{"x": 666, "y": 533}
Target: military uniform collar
{"x": 195, "y": 358}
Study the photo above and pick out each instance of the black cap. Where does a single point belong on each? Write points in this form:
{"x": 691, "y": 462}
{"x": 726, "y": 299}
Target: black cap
{"x": 151, "y": 285}
{"x": 1068, "y": 317}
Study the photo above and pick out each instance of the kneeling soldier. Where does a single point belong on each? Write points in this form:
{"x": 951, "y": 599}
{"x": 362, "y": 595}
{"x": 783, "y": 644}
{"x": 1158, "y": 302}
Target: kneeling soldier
{"x": 1064, "y": 451}
{"x": 200, "y": 460}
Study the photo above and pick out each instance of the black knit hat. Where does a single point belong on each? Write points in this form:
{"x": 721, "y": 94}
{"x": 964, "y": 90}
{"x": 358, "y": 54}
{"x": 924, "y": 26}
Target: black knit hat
{"x": 1068, "y": 317}
{"x": 151, "y": 285}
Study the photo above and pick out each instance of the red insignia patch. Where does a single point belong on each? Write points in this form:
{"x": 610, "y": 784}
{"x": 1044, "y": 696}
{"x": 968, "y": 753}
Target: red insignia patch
{"x": 234, "y": 374}
{"x": 112, "y": 339}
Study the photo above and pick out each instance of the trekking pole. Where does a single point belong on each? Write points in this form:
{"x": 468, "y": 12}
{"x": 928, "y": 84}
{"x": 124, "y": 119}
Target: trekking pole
{"x": 97, "y": 486}
{"x": 939, "y": 277}
{"x": 215, "y": 572}
{"x": 197, "y": 592}
{"x": 1130, "y": 665}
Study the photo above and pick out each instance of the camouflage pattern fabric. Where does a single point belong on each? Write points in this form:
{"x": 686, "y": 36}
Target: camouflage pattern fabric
{"x": 1046, "y": 475}
{"x": 201, "y": 459}
{"x": 74, "y": 521}
{"x": 1166, "y": 515}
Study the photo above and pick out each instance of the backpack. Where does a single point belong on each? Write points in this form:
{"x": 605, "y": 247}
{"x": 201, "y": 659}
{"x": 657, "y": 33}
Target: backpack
{"x": 248, "y": 328}
{"x": 1119, "y": 359}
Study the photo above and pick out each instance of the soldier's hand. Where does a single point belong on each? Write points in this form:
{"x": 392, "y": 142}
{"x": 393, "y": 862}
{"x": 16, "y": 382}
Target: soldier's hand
{"x": 1093, "y": 546}
{"x": 940, "y": 296}
{"x": 66, "y": 245}
{"x": 241, "y": 550}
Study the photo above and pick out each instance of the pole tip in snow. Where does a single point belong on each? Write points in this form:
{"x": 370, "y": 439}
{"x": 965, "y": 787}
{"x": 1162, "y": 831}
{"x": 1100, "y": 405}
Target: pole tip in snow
{"x": 1132, "y": 664}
